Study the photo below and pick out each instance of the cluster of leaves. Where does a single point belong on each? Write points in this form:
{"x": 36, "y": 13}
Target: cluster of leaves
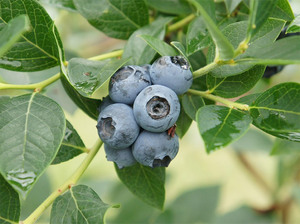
{"x": 230, "y": 42}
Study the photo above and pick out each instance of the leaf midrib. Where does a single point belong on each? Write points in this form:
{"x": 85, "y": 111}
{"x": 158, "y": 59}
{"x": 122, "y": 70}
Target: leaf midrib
{"x": 26, "y": 127}
{"x": 7, "y": 220}
{"x": 121, "y": 12}
{"x": 274, "y": 109}
{"x": 75, "y": 202}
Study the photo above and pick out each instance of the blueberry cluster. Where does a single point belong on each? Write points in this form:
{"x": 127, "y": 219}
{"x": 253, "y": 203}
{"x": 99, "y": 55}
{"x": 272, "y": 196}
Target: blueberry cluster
{"x": 137, "y": 120}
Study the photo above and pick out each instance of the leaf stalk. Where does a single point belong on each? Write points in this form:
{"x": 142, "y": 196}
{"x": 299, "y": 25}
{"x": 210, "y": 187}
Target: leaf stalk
{"x": 231, "y": 104}
{"x": 65, "y": 186}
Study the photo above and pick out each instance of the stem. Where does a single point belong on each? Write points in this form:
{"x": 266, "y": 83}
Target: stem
{"x": 113, "y": 54}
{"x": 37, "y": 86}
{"x": 67, "y": 185}
{"x": 204, "y": 70}
{"x": 40, "y": 85}
{"x": 244, "y": 161}
{"x": 181, "y": 23}
{"x": 226, "y": 102}
{"x": 286, "y": 210}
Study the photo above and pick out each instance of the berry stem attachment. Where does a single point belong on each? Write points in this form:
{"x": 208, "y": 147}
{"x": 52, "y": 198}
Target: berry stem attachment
{"x": 231, "y": 104}
{"x": 65, "y": 186}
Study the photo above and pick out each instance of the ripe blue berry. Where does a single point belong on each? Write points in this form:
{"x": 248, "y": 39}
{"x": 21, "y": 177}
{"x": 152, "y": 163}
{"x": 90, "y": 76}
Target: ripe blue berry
{"x": 127, "y": 82}
{"x": 156, "y": 108}
{"x": 155, "y": 149}
{"x": 272, "y": 70}
{"x": 173, "y": 72}
{"x": 122, "y": 157}
{"x": 117, "y": 126}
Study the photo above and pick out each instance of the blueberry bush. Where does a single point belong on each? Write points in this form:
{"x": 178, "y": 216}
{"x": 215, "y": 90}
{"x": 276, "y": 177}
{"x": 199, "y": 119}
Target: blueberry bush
{"x": 183, "y": 61}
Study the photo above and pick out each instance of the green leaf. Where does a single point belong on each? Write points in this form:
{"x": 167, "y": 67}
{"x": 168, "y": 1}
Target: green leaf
{"x": 277, "y": 111}
{"x": 177, "y": 7}
{"x": 38, "y": 49}
{"x": 197, "y": 60}
{"x": 219, "y": 125}
{"x": 80, "y": 204}
{"x": 159, "y": 46}
{"x": 244, "y": 215}
{"x": 136, "y": 48}
{"x": 282, "y": 52}
{"x": 71, "y": 146}
{"x": 233, "y": 86}
{"x": 12, "y": 32}
{"x": 197, "y": 37}
{"x": 65, "y": 4}
{"x": 183, "y": 123}
{"x": 194, "y": 206}
{"x": 145, "y": 182}
{"x": 191, "y": 104}
{"x": 88, "y": 105}
{"x": 259, "y": 13}
{"x": 236, "y": 33}
{"x": 32, "y": 128}
{"x": 9, "y": 203}
{"x": 283, "y": 11}
{"x": 224, "y": 48}
{"x": 92, "y": 77}
{"x": 180, "y": 48}
{"x": 231, "y": 5}
{"x": 285, "y": 147}
{"x": 294, "y": 27}
{"x": 115, "y": 18}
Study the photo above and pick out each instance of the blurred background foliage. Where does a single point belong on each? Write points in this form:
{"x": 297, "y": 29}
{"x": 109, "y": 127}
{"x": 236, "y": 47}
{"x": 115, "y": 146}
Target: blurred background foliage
{"x": 241, "y": 183}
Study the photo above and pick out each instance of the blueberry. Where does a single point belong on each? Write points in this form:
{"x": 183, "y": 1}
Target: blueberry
{"x": 155, "y": 149}
{"x": 156, "y": 108}
{"x": 173, "y": 72}
{"x": 272, "y": 70}
{"x": 283, "y": 33}
{"x": 122, "y": 157}
{"x": 127, "y": 82}
{"x": 117, "y": 126}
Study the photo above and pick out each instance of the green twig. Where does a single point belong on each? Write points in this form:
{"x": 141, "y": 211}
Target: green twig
{"x": 204, "y": 70}
{"x": 36, "y": 86}
{"x": 231, "y": 104}
{"x": 113, "y": 54}
{"x": 41, "y": 85}
{"x": 67, "y": 185}
{"x": 181, "y": 23}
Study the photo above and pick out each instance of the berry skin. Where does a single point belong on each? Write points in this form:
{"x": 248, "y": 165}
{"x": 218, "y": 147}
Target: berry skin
{"x": 272, "y": 70}
{"x": 156, "y": 108}
{"x": 122, "y": 157}
{"x": 117, "y": 126}
{"x": 127, "y": 82}
{"x": 173, "y": 72}
{"x": 155, "y": 149}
